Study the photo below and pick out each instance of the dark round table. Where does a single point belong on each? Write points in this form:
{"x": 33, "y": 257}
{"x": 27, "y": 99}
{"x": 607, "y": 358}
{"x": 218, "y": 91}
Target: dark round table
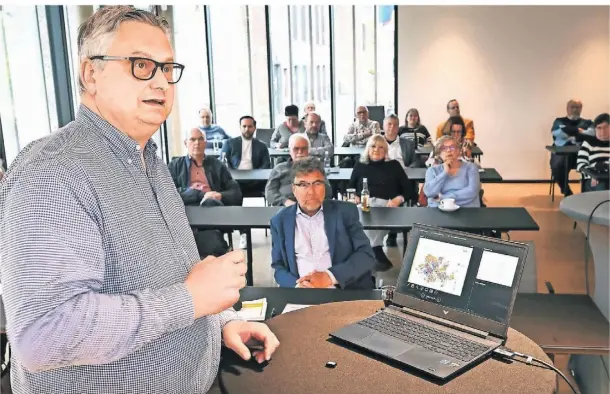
{"x": 299, "y": 364}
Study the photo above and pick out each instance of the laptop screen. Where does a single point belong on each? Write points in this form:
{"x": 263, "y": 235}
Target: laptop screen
{"x": 461, "y": 272}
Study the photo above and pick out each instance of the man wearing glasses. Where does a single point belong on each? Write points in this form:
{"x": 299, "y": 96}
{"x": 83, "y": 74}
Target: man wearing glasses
{"x": 453, "y": 109}
{"x": 319, "y": 243}
{"x": 278, "y": 190}
{"x": 360, "y": 131}
{"x": 103, "y": 287}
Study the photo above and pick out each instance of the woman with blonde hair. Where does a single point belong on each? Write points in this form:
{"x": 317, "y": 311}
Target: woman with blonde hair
{"x": 453, "y": 177}
{"x": 388, "y": 187}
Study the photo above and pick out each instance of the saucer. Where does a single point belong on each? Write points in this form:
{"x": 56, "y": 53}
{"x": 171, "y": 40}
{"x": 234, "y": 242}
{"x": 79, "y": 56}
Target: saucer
{"x": 455, "y": 208}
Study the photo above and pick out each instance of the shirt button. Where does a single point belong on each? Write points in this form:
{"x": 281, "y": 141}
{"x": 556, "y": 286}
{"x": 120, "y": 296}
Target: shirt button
{"x": 138, "y": 148}
{"x": 129, "y": 161}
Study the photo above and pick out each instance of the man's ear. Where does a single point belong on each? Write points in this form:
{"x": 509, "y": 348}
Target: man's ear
{"x": 88, "y": 76}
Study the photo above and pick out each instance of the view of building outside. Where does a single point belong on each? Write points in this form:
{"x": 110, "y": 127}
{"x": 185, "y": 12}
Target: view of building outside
{"x": 300, "y": 65}
{"x": 27, "y": 100}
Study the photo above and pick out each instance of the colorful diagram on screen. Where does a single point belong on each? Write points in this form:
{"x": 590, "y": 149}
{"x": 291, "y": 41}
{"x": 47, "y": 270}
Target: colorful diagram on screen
{"x": 434, "y": 269}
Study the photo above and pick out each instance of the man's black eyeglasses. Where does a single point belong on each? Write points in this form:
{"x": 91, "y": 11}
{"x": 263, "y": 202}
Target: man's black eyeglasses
{"x": 144, "y": 69}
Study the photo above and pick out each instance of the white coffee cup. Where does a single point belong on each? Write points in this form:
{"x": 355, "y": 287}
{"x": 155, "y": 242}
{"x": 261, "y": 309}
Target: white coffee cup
{"x": 447, "y": 203}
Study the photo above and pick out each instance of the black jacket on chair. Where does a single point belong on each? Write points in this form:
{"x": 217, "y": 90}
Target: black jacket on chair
{"x": 260, "y": 153}
{"x": 219, "y": 179}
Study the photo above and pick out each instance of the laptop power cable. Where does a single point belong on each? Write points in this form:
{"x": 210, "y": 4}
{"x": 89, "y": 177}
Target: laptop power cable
{"x": 509, "y": 354}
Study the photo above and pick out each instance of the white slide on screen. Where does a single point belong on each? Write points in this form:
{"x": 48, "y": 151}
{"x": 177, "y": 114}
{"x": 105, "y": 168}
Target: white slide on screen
{"x": 497, "y": 268}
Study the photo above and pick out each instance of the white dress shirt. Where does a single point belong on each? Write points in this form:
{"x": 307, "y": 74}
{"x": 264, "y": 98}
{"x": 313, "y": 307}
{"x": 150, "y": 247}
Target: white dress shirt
{"x": 395, "y": 152}
{"x": 311, "y": 245}
{"x": 246, "y": 155}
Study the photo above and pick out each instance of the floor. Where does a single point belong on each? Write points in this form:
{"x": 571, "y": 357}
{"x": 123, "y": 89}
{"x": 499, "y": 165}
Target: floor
{"x": 559, "y": 249}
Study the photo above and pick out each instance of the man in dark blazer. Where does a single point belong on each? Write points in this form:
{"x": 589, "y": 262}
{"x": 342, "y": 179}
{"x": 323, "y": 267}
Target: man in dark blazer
{"x": 246, "y": 152}
{"x": 319, "y": 243}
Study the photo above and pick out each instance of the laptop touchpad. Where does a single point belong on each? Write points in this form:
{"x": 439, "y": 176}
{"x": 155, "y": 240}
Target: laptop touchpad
{"x": 384, "y": 344}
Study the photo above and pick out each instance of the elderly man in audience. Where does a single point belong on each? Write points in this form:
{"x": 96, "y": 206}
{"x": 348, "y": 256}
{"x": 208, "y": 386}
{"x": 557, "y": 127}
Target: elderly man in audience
{"x": 247, "y": 153}
{"x": 292, "y": 125}
{"x": 203, "y": 180}
{"x": 279, "y": 189}
{"x": 319, "y": 144}
{"x": 569, "y": 130}
{"x": 388, "y": 186}
{"x": 453, "y": 178}
{"x": 453, "y": 109}
{"x": 360, "y": 131}
{"x": 594, "y": 154}
{"x": 414, "y": 130}
{"x": 403, "y": 151}
{"x": 112, "y": 296}
{"x": 309, "y": 107}
{"x": 318, "y": 243}
{"x": 212, "y": 131}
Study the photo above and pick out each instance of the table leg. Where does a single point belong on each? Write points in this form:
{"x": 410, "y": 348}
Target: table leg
{"x": 567, "y": 173}
{"x": 249, "y": 274}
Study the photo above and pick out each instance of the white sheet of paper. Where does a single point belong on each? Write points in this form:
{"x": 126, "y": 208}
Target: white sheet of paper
{"x": 294, "y": 307}
{"x": 253, "y": 310}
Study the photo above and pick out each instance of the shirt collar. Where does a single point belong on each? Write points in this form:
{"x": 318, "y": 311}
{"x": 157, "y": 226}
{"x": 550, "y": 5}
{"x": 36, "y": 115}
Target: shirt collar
{"x": 120, "y": 141}
{"x": 300, "y": 212}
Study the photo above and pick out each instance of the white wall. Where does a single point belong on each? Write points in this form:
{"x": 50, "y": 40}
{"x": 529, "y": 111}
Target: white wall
{"x": 512, "y": 68}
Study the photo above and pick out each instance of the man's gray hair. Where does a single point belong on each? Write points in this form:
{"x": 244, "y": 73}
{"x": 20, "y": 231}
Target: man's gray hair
{"x": 96, "y": 33}
{"x": 364, "y": 156}
{"x": 293, "y": 139}
{"x": 307, "y": 166}
{"x": 187, "y": 134}
{"x": 391, "y": 116}
{"x": 206, "y": 109}
{"x": 313, "y": 113}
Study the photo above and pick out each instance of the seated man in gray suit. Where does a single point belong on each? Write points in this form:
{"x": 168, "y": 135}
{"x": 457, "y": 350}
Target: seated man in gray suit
{"x": 401, "y": 150}
{"x": 278, "y": 190}
{"x": 319, "y": 243}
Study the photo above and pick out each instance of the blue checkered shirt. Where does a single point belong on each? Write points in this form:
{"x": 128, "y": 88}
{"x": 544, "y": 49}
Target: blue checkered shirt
{"x": 94, "y": 249}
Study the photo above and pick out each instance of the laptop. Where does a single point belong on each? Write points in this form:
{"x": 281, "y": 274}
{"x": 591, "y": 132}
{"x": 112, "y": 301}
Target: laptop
{"x": 452, "y": 304}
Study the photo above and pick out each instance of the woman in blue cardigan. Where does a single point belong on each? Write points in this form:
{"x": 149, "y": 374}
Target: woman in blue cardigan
{"x": 454, "y": 178}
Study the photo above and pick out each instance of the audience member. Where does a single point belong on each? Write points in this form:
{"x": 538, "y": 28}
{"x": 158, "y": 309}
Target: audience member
{"x": 388, "y": 186}
{"x": 310, "y": 106}
{"x": 319, "y": 243}
{"x": 247, "y": 153}
{"x": 568, "y": 130}
{"x": 456, "y": 130}
{"x": 414, "y": 130}
{"x": 319, "y": 143}
{"x": 212, "y": 131}
{"x": 112, "y": 296}
{"x": 594, "y": 154}
{"x": 403, "y": 151}
{"x": 360, "y": 131}
{"x": 454, "y": 178}
{"x": 292, "y": 125}
{"x": 453, "y": 109}
{"x": 279, "y": 186}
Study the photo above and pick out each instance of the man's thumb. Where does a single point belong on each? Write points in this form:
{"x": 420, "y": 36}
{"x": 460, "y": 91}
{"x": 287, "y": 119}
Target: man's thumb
{"x": 242, "y": 350}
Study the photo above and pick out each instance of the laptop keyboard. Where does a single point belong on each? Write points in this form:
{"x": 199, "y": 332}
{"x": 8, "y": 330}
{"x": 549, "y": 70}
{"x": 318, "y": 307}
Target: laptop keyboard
{"x": 424, "y": 336}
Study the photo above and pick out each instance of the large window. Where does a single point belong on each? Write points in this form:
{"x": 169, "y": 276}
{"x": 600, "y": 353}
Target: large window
{"x": 27, "y": 100}
{"x": 345, "y": 94}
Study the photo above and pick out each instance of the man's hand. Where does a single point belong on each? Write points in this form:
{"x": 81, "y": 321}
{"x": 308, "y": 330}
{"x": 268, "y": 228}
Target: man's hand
{"x": 594, "y": 182}
{"x": 212, "y": 195}
{"x": 214, "y": 282}
{"x": 395, "y": 202}
{"x": 288, "y": 203}
{"x": 357, "y": 199}
{"x": 319, "y": 280}
{"x": 237, "y": 333}
{"x": 197, "y": 186}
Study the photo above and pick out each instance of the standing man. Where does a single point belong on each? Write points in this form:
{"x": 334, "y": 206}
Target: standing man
{"x": 569, "y": 130}
{"x": 453, "y": 109}
{"x": 112, "y": 295}
{"x": 212, "y": 131}
{"x": 319, "y": 143}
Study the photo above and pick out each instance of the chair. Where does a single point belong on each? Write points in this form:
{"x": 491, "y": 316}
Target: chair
{"x": 264, "y": 135}
{"x": 377, "y": 113}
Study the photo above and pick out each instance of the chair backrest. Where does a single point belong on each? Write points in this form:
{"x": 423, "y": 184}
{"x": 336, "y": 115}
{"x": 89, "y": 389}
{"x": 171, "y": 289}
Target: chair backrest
{"x": 264, "y": 135}
{"x": 377, "y": 112}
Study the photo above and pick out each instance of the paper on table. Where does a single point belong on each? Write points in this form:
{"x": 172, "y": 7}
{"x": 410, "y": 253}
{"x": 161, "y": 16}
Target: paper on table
{"x": 294, "y": 307}
{"x": 253, "y": 310}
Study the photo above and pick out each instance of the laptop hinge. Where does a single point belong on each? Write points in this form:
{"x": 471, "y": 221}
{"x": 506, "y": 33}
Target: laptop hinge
{"x": 447, "y": 323}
